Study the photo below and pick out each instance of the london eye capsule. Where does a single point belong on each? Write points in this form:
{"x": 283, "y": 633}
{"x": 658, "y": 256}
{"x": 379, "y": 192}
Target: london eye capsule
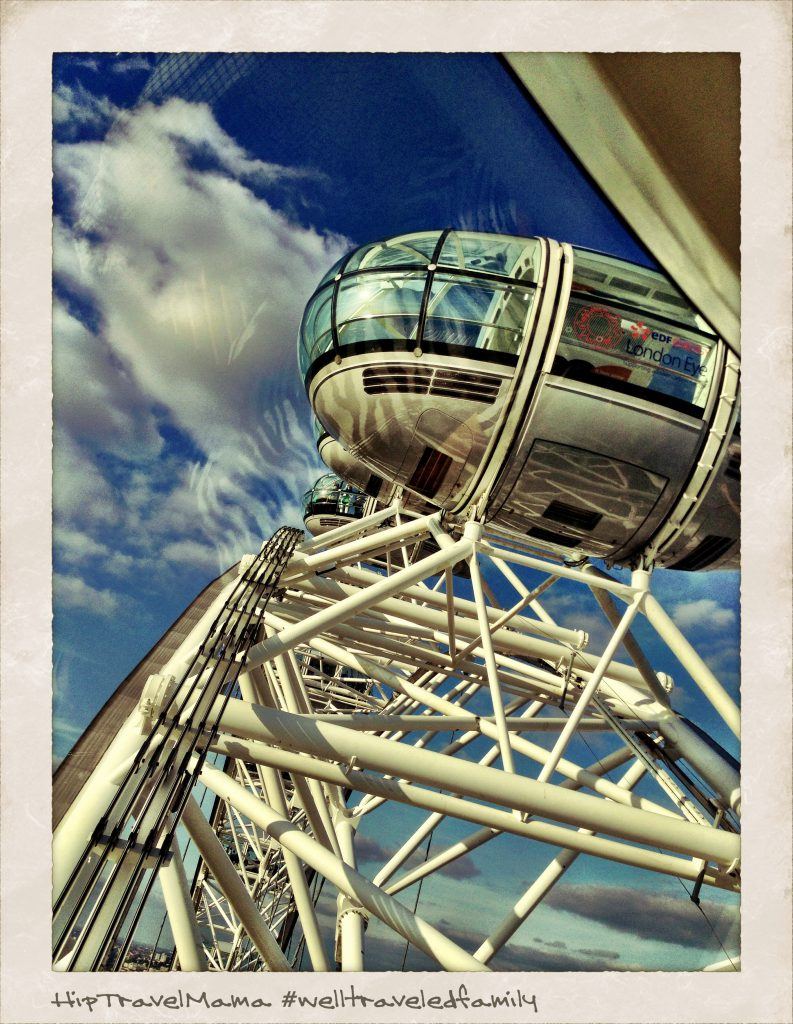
{"x": 570, "y": 397}
{"x": 330, "y": 503}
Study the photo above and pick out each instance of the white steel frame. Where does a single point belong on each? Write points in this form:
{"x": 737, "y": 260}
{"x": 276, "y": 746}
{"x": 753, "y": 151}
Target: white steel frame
{"x": 354, "y": 672}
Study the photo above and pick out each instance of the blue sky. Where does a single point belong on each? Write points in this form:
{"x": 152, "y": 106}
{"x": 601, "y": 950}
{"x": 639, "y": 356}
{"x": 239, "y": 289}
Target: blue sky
{"x": 197, "y": 202}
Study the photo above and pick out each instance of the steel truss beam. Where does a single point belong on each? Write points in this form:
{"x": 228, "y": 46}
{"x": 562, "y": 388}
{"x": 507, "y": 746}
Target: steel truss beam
{"x": 323, "y": 686}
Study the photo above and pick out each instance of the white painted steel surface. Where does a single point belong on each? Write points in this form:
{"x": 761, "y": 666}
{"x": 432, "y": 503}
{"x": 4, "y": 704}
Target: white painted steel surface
{"x": 351, "y": 686}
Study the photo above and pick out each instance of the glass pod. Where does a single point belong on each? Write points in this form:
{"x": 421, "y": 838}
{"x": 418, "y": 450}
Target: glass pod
{"x": 577, "y": 398}
{"x": 331, "y": 502}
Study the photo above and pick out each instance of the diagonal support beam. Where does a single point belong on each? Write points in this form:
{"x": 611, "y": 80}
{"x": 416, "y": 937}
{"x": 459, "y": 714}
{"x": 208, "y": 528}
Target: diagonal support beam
{"x": 543, "y": 884}
{"x": 433, "y": 769}
{"x": 346, "y": 879}
{"x": 232, "y": 887}
{"x": 300, "y": 632}
{"x": 595, "y": 679}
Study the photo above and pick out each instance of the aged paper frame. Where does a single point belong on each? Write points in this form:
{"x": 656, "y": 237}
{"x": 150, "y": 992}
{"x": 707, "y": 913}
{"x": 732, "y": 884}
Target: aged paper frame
{"x": 32, "y": 31}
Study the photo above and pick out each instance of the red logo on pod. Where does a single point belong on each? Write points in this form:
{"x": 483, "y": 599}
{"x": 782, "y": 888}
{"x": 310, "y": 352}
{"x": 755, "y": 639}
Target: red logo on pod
{"x": 597, "y": 326}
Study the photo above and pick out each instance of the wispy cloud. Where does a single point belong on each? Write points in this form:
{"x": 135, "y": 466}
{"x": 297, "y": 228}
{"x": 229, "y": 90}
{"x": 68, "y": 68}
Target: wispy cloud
{"x": 74, "y": 592}
{"x": 96, "y": 399}
{"x": 703, "y": 612}
{"x": 81, "y": 494}
{"x": 529, "y": 957}
{"x": 75, "y": 109}
{"x": 89, "y": 63}
{"x": 75, "y": 547}
{"x": 182, "y": 434}
{"x": 192, "y": 552}
{"x": 135, "y": 62}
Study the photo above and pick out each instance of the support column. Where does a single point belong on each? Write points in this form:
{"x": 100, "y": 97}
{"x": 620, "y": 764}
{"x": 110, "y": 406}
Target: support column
{"x": 232, "y": 887}
{"x": 181, "y": 913}
{"x": 351, "y": 918}
{"x": 473, "y": 531}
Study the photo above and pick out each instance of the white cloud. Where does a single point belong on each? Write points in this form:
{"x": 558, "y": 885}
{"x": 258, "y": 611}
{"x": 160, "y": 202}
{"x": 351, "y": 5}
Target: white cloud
{"x": 74, "y": 107}
{"x": 96, "y": 398}
{"x": 196, "y": 287}
{"x": 119, "y": 564}
{"x": 76, "y": 547}
{"x": 193, "y": 124}
{"x": 136, "y": 62}
{"x": 89, "y": 63}
{"x": 203, "y": 556}
{"x": 81, "y": 494}
{"x": 703, "y": 612}
{"x": 73, "y": 592}
{"x": 200, "y": 284}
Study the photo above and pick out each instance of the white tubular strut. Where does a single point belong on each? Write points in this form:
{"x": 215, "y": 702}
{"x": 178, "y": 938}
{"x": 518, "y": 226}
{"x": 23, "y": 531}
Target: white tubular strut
{"x": 426, "y": 938}
{"x": 407, "y": 660}
{"x": 424, "y": 766}
{"x": 232, "y": 887}
{"x": 543, "y": 885}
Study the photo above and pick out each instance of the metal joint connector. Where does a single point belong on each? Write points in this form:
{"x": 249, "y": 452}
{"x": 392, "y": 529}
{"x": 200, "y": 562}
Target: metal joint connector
{"x": 245, "y": 563}
{"x": 354, "y": 909}
{"x": 157, "y": 692}
{"x": 346, "y": 908}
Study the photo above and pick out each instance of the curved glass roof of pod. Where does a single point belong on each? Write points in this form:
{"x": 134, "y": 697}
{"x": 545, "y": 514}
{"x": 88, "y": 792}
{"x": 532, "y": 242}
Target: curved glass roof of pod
{"x": 456, "y": 290}
{"x": 436, "y": 288}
